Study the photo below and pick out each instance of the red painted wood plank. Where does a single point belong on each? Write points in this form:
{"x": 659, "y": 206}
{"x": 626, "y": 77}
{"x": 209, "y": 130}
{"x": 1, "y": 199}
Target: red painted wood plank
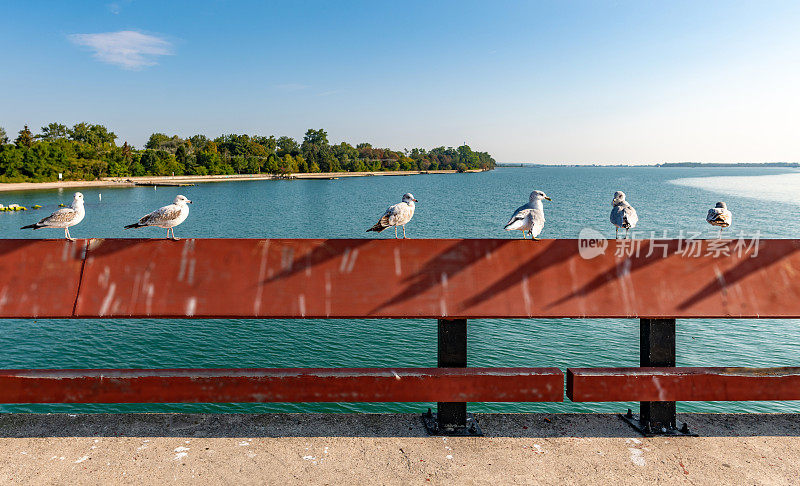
{"x": 283, "y": 385}
{"x": 682, "y": 384}
{"x": 438, "y": 278}
{"x": 39, "y": 278}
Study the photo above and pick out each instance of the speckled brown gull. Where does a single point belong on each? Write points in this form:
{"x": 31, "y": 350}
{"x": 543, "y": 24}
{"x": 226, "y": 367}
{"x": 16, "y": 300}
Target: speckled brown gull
{"x": 166, "y": 217}
{"x": 397, "y": 215}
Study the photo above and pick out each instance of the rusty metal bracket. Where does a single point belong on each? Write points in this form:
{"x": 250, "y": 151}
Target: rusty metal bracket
{"x": 469, "y": 429}
{"x": 644, "y": 428}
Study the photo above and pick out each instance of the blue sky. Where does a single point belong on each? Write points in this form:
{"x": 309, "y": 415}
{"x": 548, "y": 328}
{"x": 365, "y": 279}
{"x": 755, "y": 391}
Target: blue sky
{"x": 551, "y": 82}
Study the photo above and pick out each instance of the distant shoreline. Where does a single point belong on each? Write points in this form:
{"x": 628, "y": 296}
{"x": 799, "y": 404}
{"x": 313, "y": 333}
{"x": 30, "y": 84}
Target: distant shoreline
{"x": 156, "y": 180}
{"x": 689, "y": 165}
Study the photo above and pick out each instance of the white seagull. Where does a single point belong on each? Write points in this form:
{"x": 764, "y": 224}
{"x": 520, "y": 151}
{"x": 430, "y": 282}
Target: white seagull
{"x": 720, "y": 216}
{"x": 167, "y": 217}
{"x": 529, "y": 217}
{"x": 622, "y": 214}
{"x": 64, "y": 217}
{"x": 397, "y": 215}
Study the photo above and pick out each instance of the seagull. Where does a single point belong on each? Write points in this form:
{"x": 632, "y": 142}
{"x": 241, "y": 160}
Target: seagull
{"x": 529, "y": 217}
{"x": 720, "y": 216}
{"x": 622, "y": 214}
{"x": 397, "y": 215}
{"x": 167, "y": 217}
{"x": 64, "y": 217}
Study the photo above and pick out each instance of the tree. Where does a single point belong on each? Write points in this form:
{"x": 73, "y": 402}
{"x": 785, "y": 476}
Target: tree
{"x": 316, "y": 149}
{"x": 287, "y": 146}
{"x": 268, "y": 143}
{"x": 180, "y": 155}
{"x": 94, "y": 135}
{"x": 53, "y": 131}
{"x": 160, "y": 141}
{"x": 25, "y": 138}
{"x": 3, "y": 136}
{"x": 198, "y": 142}
{"x": 126, "y": 151}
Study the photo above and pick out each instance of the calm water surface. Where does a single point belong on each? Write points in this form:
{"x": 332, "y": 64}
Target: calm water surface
{"x": 450, "y": 206}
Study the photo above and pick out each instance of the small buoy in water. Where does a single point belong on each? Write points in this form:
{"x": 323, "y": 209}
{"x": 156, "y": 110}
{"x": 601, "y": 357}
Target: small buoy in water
{"x": 62, "y": 205}
{"x": 36, "y": 206}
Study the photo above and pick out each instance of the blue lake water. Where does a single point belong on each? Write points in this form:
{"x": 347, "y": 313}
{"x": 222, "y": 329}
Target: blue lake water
{"x": 450, "y": 206}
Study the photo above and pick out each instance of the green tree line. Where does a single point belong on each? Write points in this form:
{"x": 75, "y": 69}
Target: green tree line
{"x": 87, "y": 151}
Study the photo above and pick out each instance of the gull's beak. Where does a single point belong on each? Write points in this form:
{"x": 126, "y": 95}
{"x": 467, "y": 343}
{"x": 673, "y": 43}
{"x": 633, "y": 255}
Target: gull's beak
{"x": 415, "y": 200}
{"x": 548, "y": 198}
{"x": 190, "y": 202}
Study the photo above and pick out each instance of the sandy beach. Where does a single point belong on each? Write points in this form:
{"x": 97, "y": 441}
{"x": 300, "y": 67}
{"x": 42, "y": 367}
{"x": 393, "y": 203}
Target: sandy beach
{"x": 150, "y": 180}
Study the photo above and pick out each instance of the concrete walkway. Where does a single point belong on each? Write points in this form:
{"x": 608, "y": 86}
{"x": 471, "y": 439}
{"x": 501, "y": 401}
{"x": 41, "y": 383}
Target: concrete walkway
{"x": 391, "y": 449}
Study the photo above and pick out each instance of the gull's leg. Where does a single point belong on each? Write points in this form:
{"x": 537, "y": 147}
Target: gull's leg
{"x": 175, "y": 238}
{"x": 395, "y": 232}
{"x": 720, "y": 233}
{"x": 616, "y": 236}
{"x": 167, "y": 233}
{"x": 404, "y": 232}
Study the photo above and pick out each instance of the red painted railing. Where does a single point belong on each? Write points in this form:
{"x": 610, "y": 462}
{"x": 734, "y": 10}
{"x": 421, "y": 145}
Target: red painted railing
{"x": 449, "y": 280}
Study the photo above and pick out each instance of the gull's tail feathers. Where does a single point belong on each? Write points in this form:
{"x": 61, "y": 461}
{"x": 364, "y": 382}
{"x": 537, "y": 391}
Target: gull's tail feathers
{"x": 381, "y": 225}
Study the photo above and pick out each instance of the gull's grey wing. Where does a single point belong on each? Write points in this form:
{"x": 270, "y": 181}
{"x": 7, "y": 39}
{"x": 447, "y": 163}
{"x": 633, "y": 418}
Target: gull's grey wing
{"x": 719, "y": 216}
{"x": 62, "y": 216}
{"x": 630, "y": 216}
{"x": 617, "y": 216}
{"x": 624, "y": 216}
{"x": 519, "y": 214}
{"x": 161, "y": 216}
{"x": 519, "y": 218}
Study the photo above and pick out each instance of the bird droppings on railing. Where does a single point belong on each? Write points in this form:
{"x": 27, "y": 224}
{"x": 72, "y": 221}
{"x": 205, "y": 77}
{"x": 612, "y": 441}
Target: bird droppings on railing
{"x": 191, "y": 306}
{"x": 398, "y": 269}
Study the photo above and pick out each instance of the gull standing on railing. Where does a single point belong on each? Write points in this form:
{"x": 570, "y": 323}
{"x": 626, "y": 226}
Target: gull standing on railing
{"x": 167, "y": 217}
{"x": 529, "y": 217}
{"x": 64, "y": 217}
{"x": 397, "y": 215}
{"x": 720, "y": 216}
{"x": 622, "y": 214}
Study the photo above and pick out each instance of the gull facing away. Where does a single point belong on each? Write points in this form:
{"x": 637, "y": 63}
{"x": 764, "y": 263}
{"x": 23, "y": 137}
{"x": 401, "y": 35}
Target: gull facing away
{"x": 397, "y": 215}
{"x": 167, "y": 217}
{"x": 529, "y": 217}
{"x": 720, "y": 216}
{"x": 64, "y": 217}
{"x": 622, "y": 214}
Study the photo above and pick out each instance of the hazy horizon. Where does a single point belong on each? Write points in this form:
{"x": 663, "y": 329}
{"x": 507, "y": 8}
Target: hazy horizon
{"x": 545, "y": 82}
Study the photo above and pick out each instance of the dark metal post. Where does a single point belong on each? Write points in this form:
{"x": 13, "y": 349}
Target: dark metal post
{"x": 451, "y": 417}
{"x": 657, "y": 349}
{"x": 452, "y": 354}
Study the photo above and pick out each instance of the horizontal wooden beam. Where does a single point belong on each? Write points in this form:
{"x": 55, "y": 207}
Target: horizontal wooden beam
{"x": 682, "y": 384}
{"x": 388, "y": 278}
{"x": 283, "y": 385}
